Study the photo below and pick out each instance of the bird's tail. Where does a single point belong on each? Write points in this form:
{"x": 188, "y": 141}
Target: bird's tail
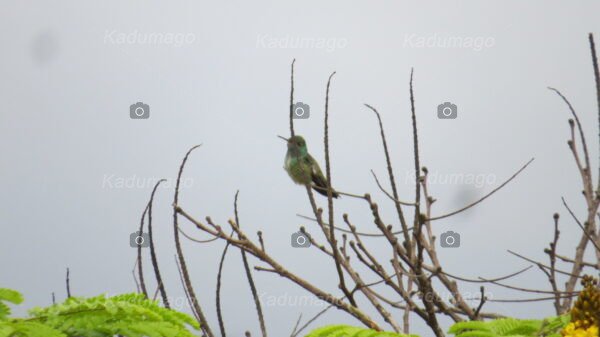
{"x": 323, "y": 191}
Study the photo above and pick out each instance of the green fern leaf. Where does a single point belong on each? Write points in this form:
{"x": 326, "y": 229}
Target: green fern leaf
{"x": 8, "y": 295}
{"x": 11, "y": 296}
{"x": 461, "y": 327}
{"x": 5, "y": 329}
{"x": 4, "y": 311}
{"x": 509, "y": 327}
{"x": 350, "y": 331}
{"x": 130, "y": 315}
{"x": 476, "y": 333}
{"x": 21, "y": 328}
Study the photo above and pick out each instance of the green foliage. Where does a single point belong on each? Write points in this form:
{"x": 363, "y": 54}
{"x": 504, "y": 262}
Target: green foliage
{"x": 350, "y": 331}
{"x": 23, "y": 328}
{"x": 510, "y": 327}
{"x": 130, "y": 315}
{"x": 551, "y": 327}
{"x": 8, "y": 295}
{"x": 506, "y": 327}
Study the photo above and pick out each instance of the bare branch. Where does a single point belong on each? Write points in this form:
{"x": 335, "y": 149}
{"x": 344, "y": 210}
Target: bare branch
{"x": 187, "y": 296}
{"x": 184, "y": 272}
{"x": 135, "y": 279}
{"x": 296, "y": 326}
{"x": 218, "y": 290}
{"x": 541, "y": 265}
{"x": 310, "y": 321}
{"x": 189, "y": 237}
{"x": 485, "y": 196}
{"x": 68, "y": 283}
{"x": 317, "y": 212}
{"x": 161, "y": 286}
{"x": 249, "y": 277}
{"x": 501, "y": 278}
{"x": 597, "y": 78}
{"x": 583, "y": 229}
{"x": 388, "y": 193}
{"x": 552, "y": 273}
{"x": 482, "y": 301}
{"x": 332, "y": 240}
{"x": 581, "y": 134}
{"x": 250, "y": 247}
{"x": 139, "y": 255}
{"x": 292, "y": 100}
{"x": 401, "y": 218}
{"x": 569, "y": 260}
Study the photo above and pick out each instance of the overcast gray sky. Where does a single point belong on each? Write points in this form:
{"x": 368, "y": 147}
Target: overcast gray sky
{"x": 218, "y": 74}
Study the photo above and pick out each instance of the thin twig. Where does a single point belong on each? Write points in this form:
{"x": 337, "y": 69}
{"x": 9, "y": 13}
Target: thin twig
{"x": 296, "y": 325}
{"x": 528, "y": 290}
{"x": 317, "y": 211}
{"x": 529, "y": 300}
{"x": 401, "y": 218}
{"x": 156, "y": 292}
{"x": 139, "y": 255}
{"x": 581, "y": 226}
{"x": 249, "y": 277}
{"x": 340, "y": 229}
{"x": 332, "y": 239}
{"x": 184, "y": 272}
{"x": 388, "y": 193}
{"x": 161, "y": 287}
{"x": 501, "y": 278}
{"x": 68, "y": 283}
{"x": 581, "y": 134}
{"x": 541, "y": 265}
{"x": 137, "y": 284}
{"x": 310, "y": 321}
{"x": 482, "y": 301}
{"x": 187, "y": 296}
{"x": 597, "y": 78}
{"x": 570, "y": 260}
{"x": 423, "y": 283}
{"x": 218, "y": 291}
{"x": 260, "y": 240}
{"x": 552, "y": 273}
{"x": 485, "y": 196}
{"x": 189, "y": 237}
{"x": 292, "y": 100}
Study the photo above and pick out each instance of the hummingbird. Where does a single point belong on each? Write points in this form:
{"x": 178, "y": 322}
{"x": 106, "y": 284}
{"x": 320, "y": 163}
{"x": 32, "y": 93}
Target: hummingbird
{"x": 303, "y": 168}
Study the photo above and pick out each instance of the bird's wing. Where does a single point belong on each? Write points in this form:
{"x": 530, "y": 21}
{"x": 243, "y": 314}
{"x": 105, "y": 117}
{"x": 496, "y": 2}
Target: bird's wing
{"x": 317, "y": 176}
{"x": 318, "y": 179}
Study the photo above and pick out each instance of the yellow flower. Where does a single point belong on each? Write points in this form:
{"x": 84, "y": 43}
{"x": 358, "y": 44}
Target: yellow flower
{"x": 585, "y": 314}
{"x": 573, "y": 330}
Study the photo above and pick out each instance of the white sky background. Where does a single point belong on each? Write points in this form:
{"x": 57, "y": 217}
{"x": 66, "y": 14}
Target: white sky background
{"x": 65, "y": 91}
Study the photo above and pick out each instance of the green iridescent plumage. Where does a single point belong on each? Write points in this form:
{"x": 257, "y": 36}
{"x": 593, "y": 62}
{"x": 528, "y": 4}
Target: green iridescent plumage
{"x": 303, "y": 168}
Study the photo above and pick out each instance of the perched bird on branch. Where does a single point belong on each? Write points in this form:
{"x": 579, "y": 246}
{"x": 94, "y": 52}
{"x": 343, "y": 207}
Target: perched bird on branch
{"x": 303, "y": 168}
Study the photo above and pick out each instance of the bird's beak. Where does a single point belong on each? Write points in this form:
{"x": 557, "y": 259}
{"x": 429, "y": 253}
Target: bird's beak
{"x": 283, "y": 138}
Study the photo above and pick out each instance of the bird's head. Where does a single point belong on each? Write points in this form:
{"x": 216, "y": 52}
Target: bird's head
{"x": 296, "y": 145}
